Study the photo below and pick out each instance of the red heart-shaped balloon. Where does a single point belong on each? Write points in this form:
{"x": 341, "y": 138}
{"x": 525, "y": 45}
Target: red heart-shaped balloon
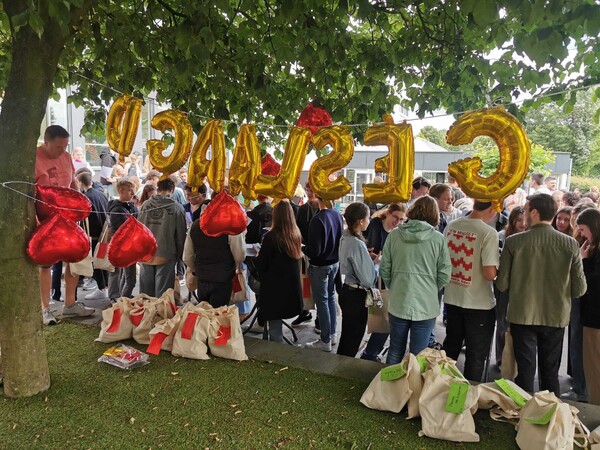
{"x": 77, "y": 206}
{"x": 223, "y": 215}
{"x": 132, "y": 242}
{"x": 269, "y": 166}
{"x": 58, "y": 239}
{"x": 314, "y": 117}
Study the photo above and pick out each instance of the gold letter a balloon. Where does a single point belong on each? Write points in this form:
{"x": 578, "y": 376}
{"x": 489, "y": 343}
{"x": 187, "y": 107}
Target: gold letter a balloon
{"x": 514, "y": 148}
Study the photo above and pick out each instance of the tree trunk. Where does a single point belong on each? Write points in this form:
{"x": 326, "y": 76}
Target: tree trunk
{"x": 29, "y": 85}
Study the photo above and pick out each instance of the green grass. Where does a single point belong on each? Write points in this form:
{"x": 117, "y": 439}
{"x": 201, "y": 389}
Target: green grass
{"x": 218, "y": 404}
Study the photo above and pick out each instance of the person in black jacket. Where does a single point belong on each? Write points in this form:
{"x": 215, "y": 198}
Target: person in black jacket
{"x": 261, "y": 218}
{"x": 278, "y": 266}
{"x": 96, "y": 221}
{"x": 588, "y": 226}
{"x": 122, "y": 281}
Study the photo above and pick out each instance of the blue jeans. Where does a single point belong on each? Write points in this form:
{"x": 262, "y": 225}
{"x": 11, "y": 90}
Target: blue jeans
{"x": 419, "y": 337}
{"x": 322, "y": 282}
{"x": 576, "y": 348}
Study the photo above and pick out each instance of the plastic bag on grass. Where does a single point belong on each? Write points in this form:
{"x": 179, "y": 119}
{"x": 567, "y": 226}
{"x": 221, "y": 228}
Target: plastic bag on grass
{"x": 124, "y": 357}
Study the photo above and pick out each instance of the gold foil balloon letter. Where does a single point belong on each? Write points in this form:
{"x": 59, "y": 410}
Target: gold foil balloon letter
{"x": 177, "y": 121}
{"x": 122, "y": 124}
{"x": 343, "y": 149}
{"x": 514, "y": 147}
{"x": 214, "y": 168}
{"x": 245, "y": 165}
{"x": 399, "y": 163}
{"x": 284, "y": 184}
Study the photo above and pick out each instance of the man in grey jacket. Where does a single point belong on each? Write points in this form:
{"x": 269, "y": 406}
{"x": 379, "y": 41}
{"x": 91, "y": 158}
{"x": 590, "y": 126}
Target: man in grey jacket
{"x": 166, "y": 220}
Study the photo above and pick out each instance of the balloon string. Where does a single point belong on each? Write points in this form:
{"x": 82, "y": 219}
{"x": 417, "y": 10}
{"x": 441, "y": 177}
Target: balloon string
{"x": 5, "y": 184}
{"x": 497, "y": 102}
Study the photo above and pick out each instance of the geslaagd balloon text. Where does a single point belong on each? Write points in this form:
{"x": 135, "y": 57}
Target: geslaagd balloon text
{"x": 245, "y": 175}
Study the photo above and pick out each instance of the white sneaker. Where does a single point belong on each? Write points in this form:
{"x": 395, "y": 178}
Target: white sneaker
{"x": 97, "y": 295}
{"x": 90, "y": 284}
{"x": 78, "y": 309}
{"x": 334, "y": 339}
{"x": 48, "y": 318}
{"x": 319, "y": 345}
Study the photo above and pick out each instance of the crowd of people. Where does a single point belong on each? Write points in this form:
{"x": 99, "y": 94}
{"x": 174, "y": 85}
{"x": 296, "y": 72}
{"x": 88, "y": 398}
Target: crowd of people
{"x": 532, "y": 269}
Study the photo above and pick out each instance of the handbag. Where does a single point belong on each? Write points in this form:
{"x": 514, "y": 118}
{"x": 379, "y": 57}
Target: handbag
{"x": 509, "y": 364}
{"x": 84, "y": 267}
{"x": 239, "y": 291}
{"x": 307, "y": 297}
{"x": 101, "y": 252}
{"x": 191, "y": 338}
{"x": 447, "y": 405}
{"x": 377, "y": 319}
{"x": 547, "y": 423}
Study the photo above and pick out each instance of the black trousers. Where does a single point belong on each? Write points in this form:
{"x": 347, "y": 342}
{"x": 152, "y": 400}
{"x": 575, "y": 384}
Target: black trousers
{"x": 547, "y": 343}
{"x": 475, "y": 327}
{"x": 217, "y": 294}
{"x": 354, "y": 320}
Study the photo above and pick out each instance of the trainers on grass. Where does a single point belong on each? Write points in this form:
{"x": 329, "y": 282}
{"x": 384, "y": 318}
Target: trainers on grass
{"x": 77, "y": 309}
{"x": 48, "y": 318}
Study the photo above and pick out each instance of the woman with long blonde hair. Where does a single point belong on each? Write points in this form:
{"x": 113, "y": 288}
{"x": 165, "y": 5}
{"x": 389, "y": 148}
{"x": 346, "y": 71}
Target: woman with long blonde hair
{"x": 278, "y": 264}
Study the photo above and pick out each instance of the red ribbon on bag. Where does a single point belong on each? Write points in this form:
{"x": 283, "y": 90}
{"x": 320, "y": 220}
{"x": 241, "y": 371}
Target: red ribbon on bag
{"x": 102, "y": 250}
{"x": 156, "y": 343}
{"x": 136, "y": 318}
{"x": 223, "y": 335}
{"x": 306, "y": 289}
{"x": 188, "y": 326}
{"x": 237, "y": 287}
{"x": 116, "y": 320}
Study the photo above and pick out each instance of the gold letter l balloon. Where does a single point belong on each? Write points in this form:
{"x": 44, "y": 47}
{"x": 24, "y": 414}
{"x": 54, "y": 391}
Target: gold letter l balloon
{"x": 343, "y": 150}
{"x": 399, "y": 163}
{"x": 122, "y": 124}
{"x": 515, "y": 151}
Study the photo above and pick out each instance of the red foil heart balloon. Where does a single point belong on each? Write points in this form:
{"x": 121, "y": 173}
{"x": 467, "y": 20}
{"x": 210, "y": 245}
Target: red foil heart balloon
{"x": 77, "y": 205}
{"x": 314, "y": 117}
{"x": 223, "y": 215}
{"x": 58, "y": 239}
{"x": 133, "y": 242}
{"x": 269, "y": 166}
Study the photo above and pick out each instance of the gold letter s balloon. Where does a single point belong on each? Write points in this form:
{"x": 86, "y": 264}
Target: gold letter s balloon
{"x": 514, "y": 148}
{"x": 343, "y": 150}
{"x": 245, "y": 165}
{"x": 178, "y": 121}
{"x": 214, "y": 168}
{"x": 122, "y": 124}
{"x": 284, "y": 184}
{"x": 399, "y": 163}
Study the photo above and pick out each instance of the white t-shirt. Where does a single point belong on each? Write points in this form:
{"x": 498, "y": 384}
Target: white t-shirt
{"x": 472, "y": 244}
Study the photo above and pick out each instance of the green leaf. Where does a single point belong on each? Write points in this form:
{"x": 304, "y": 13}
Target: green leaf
{"x": 485, "y": 12}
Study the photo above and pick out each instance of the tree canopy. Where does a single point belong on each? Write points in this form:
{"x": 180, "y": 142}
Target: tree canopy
{"x": 262, "y": 61}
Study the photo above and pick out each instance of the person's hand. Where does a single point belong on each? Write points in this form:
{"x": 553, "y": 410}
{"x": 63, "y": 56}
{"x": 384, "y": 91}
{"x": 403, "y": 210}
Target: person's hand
{"x": 372, "y": 254}
{"x": 377, "y": 259}
{"x": 585, "y": 250}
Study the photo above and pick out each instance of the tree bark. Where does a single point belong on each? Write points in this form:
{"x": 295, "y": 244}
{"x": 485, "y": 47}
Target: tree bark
{"x": 34, "y": 63}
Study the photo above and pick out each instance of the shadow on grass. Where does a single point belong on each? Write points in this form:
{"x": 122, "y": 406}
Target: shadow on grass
{"x": 179, "y": 404}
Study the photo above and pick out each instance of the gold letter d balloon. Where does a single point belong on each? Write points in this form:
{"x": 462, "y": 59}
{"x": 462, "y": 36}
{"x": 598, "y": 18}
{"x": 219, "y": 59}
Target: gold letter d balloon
{"x": 514, "y": 147}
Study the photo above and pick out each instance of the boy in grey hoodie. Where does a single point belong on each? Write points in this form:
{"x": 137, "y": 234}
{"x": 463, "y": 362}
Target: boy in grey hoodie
{"x": 166, "y": 220}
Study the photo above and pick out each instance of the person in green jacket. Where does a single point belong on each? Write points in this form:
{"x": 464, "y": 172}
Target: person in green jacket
{"x": 415, "y": 265}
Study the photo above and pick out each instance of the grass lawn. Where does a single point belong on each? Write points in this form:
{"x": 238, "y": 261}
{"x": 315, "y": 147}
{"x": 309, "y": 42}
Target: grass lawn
{"x": 218, "y": 404}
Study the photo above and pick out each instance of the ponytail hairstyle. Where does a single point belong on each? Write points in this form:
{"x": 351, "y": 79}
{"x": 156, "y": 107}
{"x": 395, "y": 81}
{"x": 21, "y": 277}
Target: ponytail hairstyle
{"x": 285, "y": 231}
{"x": 354, "y": 213}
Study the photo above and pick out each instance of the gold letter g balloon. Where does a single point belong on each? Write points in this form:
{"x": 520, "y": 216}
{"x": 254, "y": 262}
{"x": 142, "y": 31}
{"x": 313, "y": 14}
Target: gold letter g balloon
{"x": 514, "y": 148}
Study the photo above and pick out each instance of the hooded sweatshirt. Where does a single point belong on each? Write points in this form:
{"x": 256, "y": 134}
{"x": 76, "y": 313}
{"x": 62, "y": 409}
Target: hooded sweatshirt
{"x": 415, "y": 265}
{"x": 168, "y": 226}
